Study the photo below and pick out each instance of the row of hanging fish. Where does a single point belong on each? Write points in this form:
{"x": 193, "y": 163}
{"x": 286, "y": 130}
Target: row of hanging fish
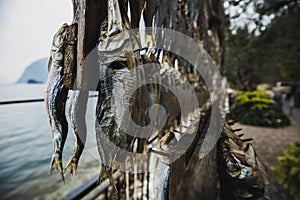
{"x": 122, "y": 114}
{"x": 112, "y": 72}
{"x": 120, "y": 74}
{"x": 241, "y": 174}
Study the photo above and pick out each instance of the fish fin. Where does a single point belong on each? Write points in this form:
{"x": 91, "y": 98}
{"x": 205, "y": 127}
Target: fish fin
{"x": 111, "y": 179}
{"x": 247, "y": 140}
{"x": 231, "y": 122}
{"x": 49, "y": 63}
{"x": 237, "y": 130}
{"x": 57, "y": 164}
{"x": 72, "y": 164}
{"x": 101, "y": 177}
{"x": 106, "y": 172}
{"x": 251, "y": 157}
{"x": 52, "y": 165}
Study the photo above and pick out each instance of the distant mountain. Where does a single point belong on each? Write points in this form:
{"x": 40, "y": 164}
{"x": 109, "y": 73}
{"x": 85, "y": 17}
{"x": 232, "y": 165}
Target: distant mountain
{"x": 36, "y": 72}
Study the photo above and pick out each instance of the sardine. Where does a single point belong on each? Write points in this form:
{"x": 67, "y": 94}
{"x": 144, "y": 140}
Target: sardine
{"x": 77, "y": 111}
{"x": 55, "y": 98}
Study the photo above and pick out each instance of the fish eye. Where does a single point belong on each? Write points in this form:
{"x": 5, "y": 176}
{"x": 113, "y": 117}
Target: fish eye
{"x": 118, "y": 65}
{"x": 231, "y": 166}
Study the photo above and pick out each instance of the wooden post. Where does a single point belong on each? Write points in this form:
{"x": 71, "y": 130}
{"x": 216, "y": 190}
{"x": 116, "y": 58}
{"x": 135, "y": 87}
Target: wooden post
{"x": 176, "y": 177}
{"x": 192, "y": 177}
{"x": 200, "y": 179}
{"x": 90, "y": 16}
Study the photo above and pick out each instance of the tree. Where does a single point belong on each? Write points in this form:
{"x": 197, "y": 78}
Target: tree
{"x": 262, "y": 50}
{"x": 240, "y": 58}
{"x": 283, "y": 55}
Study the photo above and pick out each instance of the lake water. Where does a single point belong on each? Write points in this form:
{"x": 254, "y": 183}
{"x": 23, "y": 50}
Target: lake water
{"x": 26, "y": 148}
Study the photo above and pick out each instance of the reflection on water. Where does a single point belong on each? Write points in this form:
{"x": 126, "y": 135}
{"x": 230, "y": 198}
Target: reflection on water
{"x": 26, "y": 147}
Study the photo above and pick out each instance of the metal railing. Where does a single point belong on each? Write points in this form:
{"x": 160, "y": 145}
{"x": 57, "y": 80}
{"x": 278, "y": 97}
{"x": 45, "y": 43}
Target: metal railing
{"x": 21, "y": 101}
{"x": 31, "y": 100}
{"x": 90, "y": 185}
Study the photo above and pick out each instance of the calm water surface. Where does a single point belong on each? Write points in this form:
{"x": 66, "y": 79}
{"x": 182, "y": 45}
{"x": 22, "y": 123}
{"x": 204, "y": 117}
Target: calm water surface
{"x": 26, "y": 147}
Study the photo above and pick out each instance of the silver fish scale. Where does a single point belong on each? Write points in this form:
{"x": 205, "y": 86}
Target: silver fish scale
{"x": 123, "y": 83}
{"x": 109, "y": 135}
{"x": 179, "y": 84}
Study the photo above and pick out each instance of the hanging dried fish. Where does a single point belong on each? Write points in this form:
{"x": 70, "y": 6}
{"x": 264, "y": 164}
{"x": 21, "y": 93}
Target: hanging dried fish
{"x": 148, "y": 13}
{"x": 241, "y": 175}
{"x": 182, "y": 113}
{"x": 77, "y": 110}
{"x": 112, "y": 93}
{"x": 136, "y": 7}
{"x": 55, "y": 98}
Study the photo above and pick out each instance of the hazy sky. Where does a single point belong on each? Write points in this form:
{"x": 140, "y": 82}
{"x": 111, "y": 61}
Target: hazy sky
{"x": 26, "y": 31}
{"x": 27, "y": 28}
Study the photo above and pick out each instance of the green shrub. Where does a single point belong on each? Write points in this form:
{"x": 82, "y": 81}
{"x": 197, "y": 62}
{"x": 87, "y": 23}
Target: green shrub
{"x": 287, "y": 170}
{"x": 257, "y": 108}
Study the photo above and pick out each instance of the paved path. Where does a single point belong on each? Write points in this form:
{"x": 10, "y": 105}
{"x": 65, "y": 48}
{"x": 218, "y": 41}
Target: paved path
{"x": 269, "y": 143}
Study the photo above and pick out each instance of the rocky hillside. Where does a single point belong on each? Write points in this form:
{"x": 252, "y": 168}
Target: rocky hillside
{"x": 36, "y": 72}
